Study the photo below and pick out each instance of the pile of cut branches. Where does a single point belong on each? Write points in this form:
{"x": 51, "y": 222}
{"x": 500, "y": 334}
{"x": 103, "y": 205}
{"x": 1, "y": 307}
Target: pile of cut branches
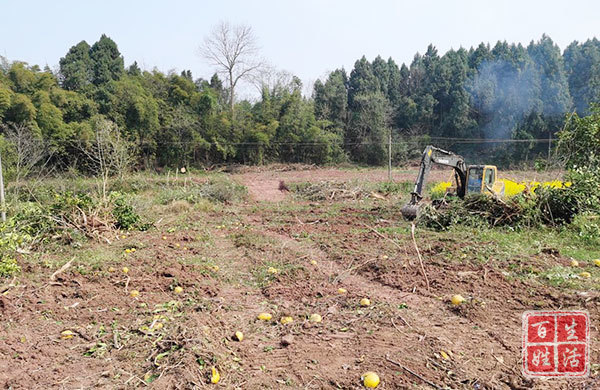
{"x": 482, "y": 210}
{"x": 326, "y": 190}
{"x": 71, "y": 213}
{"x": 547, "y": 206}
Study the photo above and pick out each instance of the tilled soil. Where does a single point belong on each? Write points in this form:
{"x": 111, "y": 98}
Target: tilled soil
{"x": 410, "y": 334}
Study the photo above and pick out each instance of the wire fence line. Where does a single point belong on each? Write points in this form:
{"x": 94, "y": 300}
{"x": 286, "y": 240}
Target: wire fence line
{"x": 421, "y": 140}
{"x": 404, "y": 141}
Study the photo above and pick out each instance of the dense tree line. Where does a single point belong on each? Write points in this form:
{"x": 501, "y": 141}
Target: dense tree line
{"x": 506, "y": 91}
{"x": 500, "y": 92}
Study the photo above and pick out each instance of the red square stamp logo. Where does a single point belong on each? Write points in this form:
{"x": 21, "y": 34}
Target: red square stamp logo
{"x": 556, "y": 343}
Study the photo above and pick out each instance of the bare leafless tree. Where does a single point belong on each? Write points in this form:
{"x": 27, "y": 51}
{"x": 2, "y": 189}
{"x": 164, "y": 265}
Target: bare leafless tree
{"x": 108, "y": 152}
{"x": 234, "y": 51}
{"x": 29, "y": 150}
{"x": 271, "y": 79}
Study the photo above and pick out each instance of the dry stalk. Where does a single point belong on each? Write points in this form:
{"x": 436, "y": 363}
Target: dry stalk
{"x": 62, "y": 269}
{"x": 384, "y": 237}
{"x": 412, "y": 233}
{"x": 387, "y": 357}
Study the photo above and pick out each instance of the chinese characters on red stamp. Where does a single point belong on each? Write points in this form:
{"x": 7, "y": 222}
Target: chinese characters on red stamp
{"x": 556, "y": 343}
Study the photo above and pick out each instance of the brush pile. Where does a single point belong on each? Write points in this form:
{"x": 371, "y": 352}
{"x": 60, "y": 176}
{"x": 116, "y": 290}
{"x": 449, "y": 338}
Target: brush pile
{"x": 474, "y": 210}
{"x": 70, "y": 214}
{"x": 326, "y": 190}
{"x": 547, "y": 206}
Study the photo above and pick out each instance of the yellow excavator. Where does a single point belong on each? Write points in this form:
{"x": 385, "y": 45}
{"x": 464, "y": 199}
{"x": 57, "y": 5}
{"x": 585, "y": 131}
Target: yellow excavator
{"x": 470, "y": 179}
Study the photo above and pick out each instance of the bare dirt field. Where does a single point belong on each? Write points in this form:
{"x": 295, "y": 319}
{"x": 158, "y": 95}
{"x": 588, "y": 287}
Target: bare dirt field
{"x": 278, "y": 253}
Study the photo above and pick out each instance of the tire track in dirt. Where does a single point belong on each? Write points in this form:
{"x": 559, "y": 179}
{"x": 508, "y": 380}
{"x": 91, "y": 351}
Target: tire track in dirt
{"x": 425, "y": 329}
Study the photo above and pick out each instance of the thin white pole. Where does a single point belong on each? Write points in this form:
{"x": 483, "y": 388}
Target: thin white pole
{"x": 2, "y": 201}
{"x": 390, "y": 156}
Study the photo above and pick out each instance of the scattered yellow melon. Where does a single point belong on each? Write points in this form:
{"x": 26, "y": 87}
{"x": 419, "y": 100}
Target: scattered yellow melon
{"x": 67, "y": 334}
{"x": 315, "y": 318}
{"x": 178, "y": 290}
{"x": 127, "y": 250}
{"x": 597, "y": 262}
{"x": 134, "y": 293}
{"x": 313, "y": 262}
{"x": 239, "y": 336}
{"x": 125, "y": 270}
{"x": 272, "y": 270}
{"x": 286, "y": 320}
{"x": 585, "y": 274}
{"x": 111, "y": 269}
{"x": 342, "y": 290}
{"x": 365, "y": 302}
{"x": 265, "y": 316}
{"x": 370, "y": 380}
{"x": 215, "y": 377}
{"x": 574, "y": 263}
{"x": 457, "y": 299}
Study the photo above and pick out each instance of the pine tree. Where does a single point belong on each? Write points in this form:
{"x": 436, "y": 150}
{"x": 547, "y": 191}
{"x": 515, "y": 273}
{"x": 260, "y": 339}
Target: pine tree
{"x": 76, "y": 67}
{"x": 107, "y": 62}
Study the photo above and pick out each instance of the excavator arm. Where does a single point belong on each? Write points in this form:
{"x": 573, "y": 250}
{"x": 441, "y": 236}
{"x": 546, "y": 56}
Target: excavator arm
{"x": 433, "y": 155}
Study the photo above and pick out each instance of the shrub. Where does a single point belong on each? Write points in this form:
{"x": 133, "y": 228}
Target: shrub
{"x": 586, "y": 187}
{"x": 123, "y": 212}
{"x": 557, "y": 205}
{"x": 34, "y": 220}
{"x": 10, "y": 241}
{"x": 587, "y": 227}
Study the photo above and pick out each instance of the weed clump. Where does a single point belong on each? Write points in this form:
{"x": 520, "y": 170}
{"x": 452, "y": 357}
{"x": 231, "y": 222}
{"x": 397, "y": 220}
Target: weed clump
{"x": 215, "y": 190}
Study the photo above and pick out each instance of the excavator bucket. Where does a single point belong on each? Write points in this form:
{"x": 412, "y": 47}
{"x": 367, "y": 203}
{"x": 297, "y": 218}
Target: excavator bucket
{"x": 432, "y": 155}
{"x": 410, "y": 211}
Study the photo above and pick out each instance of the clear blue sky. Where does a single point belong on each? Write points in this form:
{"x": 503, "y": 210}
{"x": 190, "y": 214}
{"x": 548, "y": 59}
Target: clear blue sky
{"x": 305, "y": 37}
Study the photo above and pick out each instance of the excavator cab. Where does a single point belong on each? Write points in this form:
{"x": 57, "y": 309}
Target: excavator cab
{"x": 481, "y": 179}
